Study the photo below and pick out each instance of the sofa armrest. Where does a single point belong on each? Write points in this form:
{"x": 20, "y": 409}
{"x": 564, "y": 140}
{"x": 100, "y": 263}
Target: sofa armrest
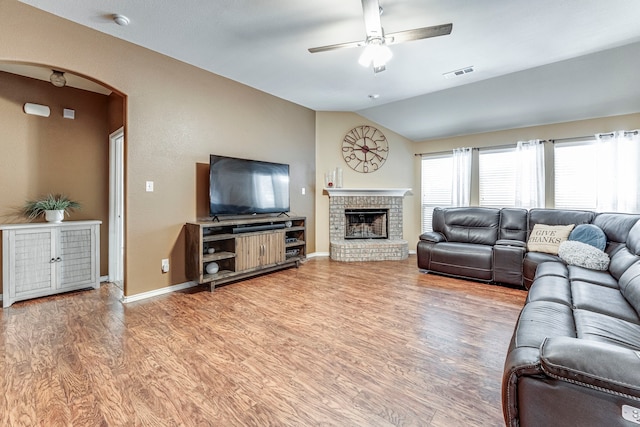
{"x": 433, "y": 237}
{"x": 592, "y": 364}
{"x": 509, "y": 242}
{"x": 508, "y": 256}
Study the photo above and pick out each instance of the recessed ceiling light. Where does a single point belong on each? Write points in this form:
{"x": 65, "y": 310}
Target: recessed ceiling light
{"x": 121, "y": 20}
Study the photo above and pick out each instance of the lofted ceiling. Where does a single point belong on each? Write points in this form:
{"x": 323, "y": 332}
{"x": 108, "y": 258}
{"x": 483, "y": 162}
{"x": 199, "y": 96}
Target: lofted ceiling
{"x": 536, "y": 62}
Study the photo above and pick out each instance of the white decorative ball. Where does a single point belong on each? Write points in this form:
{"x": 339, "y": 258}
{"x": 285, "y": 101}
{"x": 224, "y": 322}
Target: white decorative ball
{"x": 211, "y": 250}
{"x": 212, "y": 268}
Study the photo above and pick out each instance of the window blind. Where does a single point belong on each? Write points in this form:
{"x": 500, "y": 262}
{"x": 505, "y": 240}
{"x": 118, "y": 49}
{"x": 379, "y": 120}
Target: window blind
{"x": 437, "y": 185}
{"x": 497, "y": 168}
{"x": 575, "y": 180}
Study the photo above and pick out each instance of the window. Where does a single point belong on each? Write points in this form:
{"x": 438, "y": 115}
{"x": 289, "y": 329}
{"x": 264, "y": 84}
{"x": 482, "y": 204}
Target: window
{"x": 512, "y": 177}
{"x": 575, "y": 181}
{"x": 497, "y": 177}
{"x": 600, "y": 173}
{"x": 437, "y": 185}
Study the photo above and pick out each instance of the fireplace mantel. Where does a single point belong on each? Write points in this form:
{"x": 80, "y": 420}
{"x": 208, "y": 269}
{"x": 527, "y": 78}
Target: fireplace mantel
{"x": 397, "y": 192}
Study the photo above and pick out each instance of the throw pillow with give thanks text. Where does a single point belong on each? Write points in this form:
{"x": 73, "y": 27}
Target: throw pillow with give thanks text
{"x": 547, "y": 238}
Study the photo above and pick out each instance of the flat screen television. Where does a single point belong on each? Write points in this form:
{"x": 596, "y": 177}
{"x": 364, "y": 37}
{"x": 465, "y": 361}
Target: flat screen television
{"x": 247, "y": 187}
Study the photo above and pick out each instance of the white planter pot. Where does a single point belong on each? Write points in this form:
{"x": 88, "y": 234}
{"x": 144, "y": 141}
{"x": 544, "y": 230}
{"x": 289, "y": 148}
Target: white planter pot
{"x": 54, "y": 216}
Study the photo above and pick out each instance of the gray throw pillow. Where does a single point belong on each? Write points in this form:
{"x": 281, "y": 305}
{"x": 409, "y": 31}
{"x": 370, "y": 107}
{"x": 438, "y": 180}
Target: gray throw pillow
{"x": 583, "y": 255}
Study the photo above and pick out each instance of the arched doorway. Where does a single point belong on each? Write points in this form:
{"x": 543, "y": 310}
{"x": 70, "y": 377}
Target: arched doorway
{"x": 67, "y": 152}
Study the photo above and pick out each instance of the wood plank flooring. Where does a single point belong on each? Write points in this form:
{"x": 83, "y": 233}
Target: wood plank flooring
{"x": 328, "y": 344}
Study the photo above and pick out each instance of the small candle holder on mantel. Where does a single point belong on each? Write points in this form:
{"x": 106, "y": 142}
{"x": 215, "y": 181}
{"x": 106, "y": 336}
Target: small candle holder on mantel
{"x": 329, "y": 179}
{"x": 338, "y": 180}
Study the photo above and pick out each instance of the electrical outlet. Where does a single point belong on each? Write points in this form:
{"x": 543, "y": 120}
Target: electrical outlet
{"x": 304, "y": 191}
{"x": 165, "y": 265}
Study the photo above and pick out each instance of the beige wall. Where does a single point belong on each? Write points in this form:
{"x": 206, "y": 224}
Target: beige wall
{"x": 397, "y": 172}
{"x": 42, "y": 155}
{"x": 176, "y": 115}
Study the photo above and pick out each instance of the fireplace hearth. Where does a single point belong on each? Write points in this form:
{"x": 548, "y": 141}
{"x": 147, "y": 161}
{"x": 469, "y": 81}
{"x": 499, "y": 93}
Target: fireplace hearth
{"x": 366, "y": 224}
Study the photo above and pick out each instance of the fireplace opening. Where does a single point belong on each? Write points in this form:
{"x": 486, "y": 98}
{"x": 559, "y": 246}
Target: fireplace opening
{"x": 366, "y": 223}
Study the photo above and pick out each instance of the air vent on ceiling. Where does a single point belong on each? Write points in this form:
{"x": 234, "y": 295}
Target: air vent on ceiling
{"x": 460, "y": 72}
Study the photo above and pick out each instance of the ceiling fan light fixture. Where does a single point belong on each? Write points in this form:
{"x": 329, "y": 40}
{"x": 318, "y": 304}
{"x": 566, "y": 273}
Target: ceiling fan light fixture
{"x": 57, "y": 78}
{"x": 375, "y": 54}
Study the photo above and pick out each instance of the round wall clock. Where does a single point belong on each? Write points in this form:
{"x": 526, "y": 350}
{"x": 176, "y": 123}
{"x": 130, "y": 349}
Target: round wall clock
{"x": 365, "y": 149}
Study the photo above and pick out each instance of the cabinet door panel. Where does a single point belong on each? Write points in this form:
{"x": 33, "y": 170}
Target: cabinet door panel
{"x": 248, "y": 252}
{"x": 77, "y": 263}
{"x": 274, "y": 244}
{"x": 32, "y": 267}
{"x": 259, "y": 250}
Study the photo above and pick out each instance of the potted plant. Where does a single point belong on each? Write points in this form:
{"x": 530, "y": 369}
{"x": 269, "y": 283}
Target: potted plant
{"x": 53, "y": 206}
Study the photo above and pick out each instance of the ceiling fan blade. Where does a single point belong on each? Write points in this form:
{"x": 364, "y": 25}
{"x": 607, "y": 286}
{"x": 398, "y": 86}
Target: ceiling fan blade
{"x": 336, "y": 46}
{"x": 372, "y": 25}
{"x": 418, "y": 34}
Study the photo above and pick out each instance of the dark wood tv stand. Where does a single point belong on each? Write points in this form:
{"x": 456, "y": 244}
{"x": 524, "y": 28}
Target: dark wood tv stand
{"x": 243, "y": 247}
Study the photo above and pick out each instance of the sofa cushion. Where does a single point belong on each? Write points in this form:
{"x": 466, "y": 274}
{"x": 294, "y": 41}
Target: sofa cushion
{"x": 559, "y": 217}
{"x": 633, "y": 239}
{"x": 552, "y": 269}
{"x": 583, "y": 255}
{"x": 513, "y": 224}
{"x": 601, "y": 299}
{"x": 616, "y": 226}
{"x": 462, "y": 259}
{"x": 471, "y": 225}
{"x": 589, "y": 234}
{"x": 602, "y": 278}
{"x": 621, "y": 260}
{"x": 551, "y": 288}
{"x": 530, "y": 265}
{"x": 630, "y": 285}
{"x": 542, "y": 319}
{"x": 603, "y": 328}
{"x": 547, "y": 238}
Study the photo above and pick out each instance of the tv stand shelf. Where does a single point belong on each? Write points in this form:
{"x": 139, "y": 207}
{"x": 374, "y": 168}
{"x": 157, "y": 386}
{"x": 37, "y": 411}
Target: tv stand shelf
{"x": 243, "y": 247}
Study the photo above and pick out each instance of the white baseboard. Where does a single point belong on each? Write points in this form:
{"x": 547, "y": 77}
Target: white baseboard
{"x": 327, "y": 254}
{"x": 158, "y": 292}
{"x": 317, "y": 254}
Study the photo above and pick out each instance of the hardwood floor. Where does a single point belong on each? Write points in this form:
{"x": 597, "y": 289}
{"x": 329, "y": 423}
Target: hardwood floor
{"x": 330, "y": 344}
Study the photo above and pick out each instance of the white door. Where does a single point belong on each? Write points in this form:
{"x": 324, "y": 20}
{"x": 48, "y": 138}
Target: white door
{"x": 116, "y": 208}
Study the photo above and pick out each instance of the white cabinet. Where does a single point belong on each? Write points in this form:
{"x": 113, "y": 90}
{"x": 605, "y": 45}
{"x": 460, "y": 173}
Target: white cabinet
{"x": 44, "y": 259}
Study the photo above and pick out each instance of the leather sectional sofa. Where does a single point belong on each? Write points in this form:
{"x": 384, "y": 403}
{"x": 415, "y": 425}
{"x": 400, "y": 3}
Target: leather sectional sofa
{"x": 574, "y": 357}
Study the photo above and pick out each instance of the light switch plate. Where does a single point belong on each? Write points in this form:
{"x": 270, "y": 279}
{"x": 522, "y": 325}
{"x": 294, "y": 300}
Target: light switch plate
{"x": 149, "y": 186}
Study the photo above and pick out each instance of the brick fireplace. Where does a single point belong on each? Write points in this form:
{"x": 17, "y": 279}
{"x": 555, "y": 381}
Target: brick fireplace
{"x": 366, "y": 224}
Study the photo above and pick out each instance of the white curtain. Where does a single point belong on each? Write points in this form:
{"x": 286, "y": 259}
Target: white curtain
{"x": 530, "y": 174}
{"x": 618, "y": 163}
{"x": 461, "y": 188}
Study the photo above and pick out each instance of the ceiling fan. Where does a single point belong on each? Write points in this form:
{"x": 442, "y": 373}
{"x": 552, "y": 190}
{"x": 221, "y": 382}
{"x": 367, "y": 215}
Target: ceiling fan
{"x": 377, "y": 52}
